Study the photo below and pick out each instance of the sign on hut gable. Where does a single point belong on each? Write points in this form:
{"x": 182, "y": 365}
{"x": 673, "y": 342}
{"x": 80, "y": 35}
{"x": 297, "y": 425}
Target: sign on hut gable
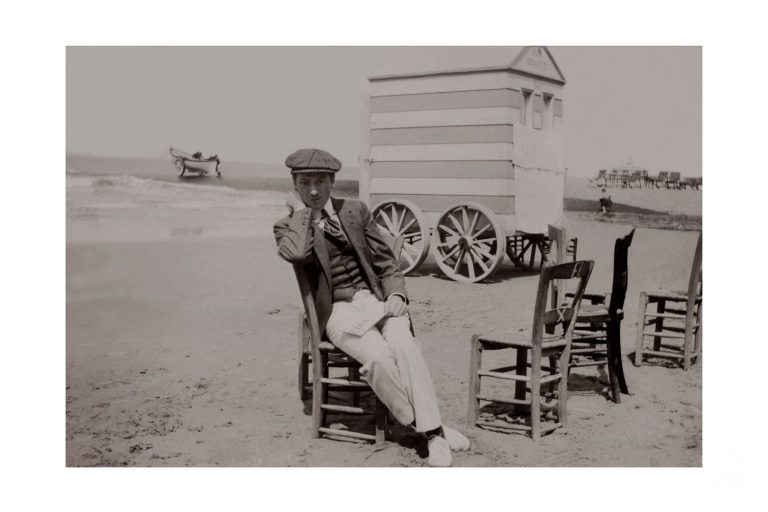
{"x": 537, "y": 61}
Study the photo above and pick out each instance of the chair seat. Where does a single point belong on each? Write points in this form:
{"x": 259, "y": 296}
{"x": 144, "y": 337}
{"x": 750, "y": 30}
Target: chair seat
{"x": 327, "y": 346}
{"x": 546, "y": 341}
{"x": 593, "y": 313}
{"x": 673, "y": 296}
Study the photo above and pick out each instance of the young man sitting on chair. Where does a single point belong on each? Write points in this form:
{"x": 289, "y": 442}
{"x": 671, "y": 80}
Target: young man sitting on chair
{"x": 343, "y": 251}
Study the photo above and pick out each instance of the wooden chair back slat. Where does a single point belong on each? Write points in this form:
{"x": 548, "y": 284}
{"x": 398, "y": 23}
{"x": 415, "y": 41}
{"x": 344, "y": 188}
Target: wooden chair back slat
{"x": 620, "y": 273}
{"x": 545, "y": 319}
{"x": 694, "y": 285}
{"x": 557, "y": 316}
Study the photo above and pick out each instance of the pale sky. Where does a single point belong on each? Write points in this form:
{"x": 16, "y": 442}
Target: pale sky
{"x": 260, "y": 103}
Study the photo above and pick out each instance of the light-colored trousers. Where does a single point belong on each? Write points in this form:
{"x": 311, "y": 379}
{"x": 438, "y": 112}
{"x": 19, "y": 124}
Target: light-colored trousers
{"x": 392, "y": 364}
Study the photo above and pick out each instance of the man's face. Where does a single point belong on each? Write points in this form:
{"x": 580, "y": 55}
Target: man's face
{"x": 314, "y": 189}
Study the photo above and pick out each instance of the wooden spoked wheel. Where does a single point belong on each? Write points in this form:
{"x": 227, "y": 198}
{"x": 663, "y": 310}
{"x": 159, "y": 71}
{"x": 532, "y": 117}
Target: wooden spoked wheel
{"x": 468, "y": 244}
{"x": 403, "y": 218}
{"x": 180, "y": 166}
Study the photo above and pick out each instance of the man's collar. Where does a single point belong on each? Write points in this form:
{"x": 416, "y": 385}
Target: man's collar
{"x": 329, "y": 209}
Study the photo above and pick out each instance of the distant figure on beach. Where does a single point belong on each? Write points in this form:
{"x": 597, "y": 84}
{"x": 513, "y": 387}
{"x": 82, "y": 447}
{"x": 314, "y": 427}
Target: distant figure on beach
{"x": 198, "y": 155}
{"x": 343, "y": 251}
{"x": 605, "y": 202}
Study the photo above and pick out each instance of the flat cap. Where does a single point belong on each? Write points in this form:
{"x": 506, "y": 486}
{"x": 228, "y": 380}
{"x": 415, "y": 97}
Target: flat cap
{"x": 312, "y": 160}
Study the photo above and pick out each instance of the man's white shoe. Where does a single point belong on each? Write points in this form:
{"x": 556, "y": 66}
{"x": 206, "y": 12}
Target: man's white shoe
{"x": 456, "y": 440}
{"x": 439, "y": 452}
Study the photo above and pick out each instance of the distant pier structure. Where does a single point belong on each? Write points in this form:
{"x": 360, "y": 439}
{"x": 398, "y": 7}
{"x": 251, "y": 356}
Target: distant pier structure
{"x": 449, "y": 125}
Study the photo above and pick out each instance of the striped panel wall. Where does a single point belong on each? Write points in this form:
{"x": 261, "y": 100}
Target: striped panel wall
{"x": 450, "y": 170}
{"x": 441, "y": 135}
{"x": 436, "y": 152}
{"x": 447, "y": 100}
{"x": 445, "y": 117}
{"x": 445, "y": 186}
{"x": 443, "y": 140}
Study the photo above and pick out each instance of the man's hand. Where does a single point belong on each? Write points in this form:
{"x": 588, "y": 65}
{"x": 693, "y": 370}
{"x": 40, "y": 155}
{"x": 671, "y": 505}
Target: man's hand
{"x": 396, "y": 306}
{"x": 293, "y": 202}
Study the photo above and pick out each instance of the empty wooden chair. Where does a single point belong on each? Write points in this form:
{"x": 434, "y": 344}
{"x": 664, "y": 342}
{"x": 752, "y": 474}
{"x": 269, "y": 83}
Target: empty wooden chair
{"x": 597, "y": 335}
{"x": 624, "y": 178}
{"x": 675, "y": 320}
{"x": 648, "y": 180}
{"x": 673, "y": 180}
{"x": 635, "y": 180}
{"x": 691, "y": 182}
{"x": 549, "y": 341}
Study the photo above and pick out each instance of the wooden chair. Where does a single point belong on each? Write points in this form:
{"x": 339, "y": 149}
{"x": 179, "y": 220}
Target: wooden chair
{"x": 314, "y": 346}
{"x": 597, "y": 335}
{"x": 635, "y": 180}
{"x": 624, "y": 178}
{"x": 529, "y": 354}
{"x": 694, "y": 183}
{"x": 661, "y": 179}
{"x": 525, "y": 246}
{"x": 648, "y": 181}
{"x": 323, "y": 383}
{"x": 674, "y": 180}
{"x": 676, "y": 330}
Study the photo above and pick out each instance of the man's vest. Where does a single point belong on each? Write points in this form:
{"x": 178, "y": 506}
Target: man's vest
{"x": 346, "y": 276}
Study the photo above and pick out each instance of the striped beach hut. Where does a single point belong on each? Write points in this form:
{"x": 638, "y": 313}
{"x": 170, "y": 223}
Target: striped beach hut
{"x": 462, "y": 148}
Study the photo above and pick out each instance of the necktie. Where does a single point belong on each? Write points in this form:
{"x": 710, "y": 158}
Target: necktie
{"x": 332, "y": 227}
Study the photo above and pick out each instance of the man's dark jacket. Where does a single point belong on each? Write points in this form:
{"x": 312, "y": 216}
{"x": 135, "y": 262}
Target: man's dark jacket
{"x": 301, "y": 243}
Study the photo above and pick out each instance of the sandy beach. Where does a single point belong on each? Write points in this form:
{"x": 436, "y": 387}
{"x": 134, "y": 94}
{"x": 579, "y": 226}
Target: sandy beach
{"x": 181, "y": 344}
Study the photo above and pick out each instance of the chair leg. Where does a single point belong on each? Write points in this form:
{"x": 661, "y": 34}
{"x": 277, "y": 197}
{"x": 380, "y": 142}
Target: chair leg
{"x": 697, "y": 338}
{"x": 659, "y": 326}
{"x": 318, "y": 415}
{"x": 475, "y": 356}
{"x": 640, "y": 327}
{"x": 522, "y": 370}
{"x": 303, "y": 376}
{"x": 382, "y": 421}
{"x": 610, "y": 345}
{"x": 324, "y": 389}
{"x": 354, "y": 374}
{"x": 619, "y": 364}
{"x": 562, "y": 392}
{"x": 687, "y": 345}
{"x": 554, "y": 365}
{"x": 536, "y": 393}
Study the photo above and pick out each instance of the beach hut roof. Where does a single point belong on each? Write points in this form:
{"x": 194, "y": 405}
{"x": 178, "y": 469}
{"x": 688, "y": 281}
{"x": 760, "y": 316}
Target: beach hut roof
{"x": 439, "y": 60}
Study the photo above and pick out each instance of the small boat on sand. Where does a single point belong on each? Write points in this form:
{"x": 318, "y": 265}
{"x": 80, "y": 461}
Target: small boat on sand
{"x": 194, "y": 162}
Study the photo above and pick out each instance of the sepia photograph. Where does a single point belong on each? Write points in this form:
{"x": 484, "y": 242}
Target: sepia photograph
{"x": 384, "y": 256}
